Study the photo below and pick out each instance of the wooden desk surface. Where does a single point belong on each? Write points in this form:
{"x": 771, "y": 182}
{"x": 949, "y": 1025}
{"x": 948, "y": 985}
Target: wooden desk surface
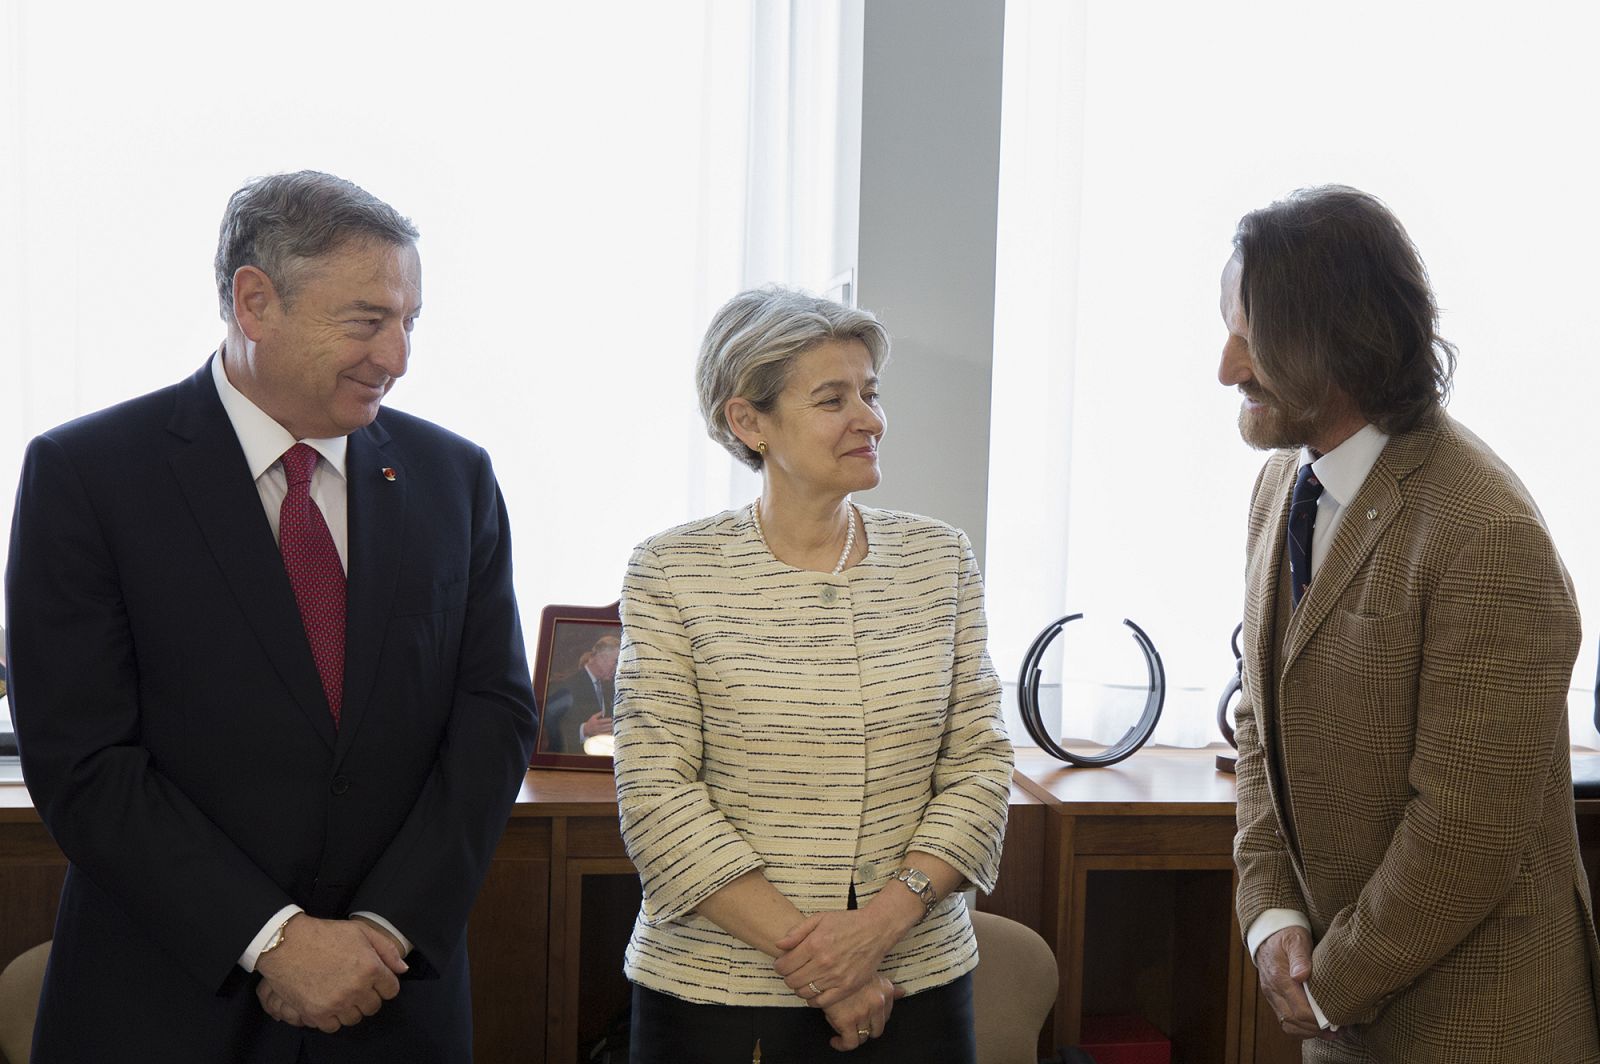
{"x": 1160, "y": 781}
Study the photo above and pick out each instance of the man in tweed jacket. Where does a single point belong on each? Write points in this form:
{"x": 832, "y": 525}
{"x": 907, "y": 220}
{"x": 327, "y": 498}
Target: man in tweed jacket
{"x": 1409, "y": 879}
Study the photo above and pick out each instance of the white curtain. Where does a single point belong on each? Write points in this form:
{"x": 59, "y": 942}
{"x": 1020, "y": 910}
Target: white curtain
{"x": 591, "y": 182}
{"x": 1134, "y": 137}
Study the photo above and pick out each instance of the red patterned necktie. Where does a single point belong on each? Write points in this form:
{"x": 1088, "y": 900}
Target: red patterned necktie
{"x": 314, "y": 572}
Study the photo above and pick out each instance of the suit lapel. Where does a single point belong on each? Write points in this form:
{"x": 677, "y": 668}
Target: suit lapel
{"x": 211, "y": 470}
{"x": 377, "y": 516}
{"x": 1261, "y": 603}
{"x": 1367, "y": 517}
{"x": 1264, "y": 584}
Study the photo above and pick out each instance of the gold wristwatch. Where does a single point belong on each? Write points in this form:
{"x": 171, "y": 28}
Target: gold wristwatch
{"x": 275, "y": 941}
{"x": 919, "y": 884}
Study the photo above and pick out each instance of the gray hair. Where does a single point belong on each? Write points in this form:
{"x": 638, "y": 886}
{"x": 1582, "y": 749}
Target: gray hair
{"x": 281, "y": 223}
{"x": 752, "y": 342}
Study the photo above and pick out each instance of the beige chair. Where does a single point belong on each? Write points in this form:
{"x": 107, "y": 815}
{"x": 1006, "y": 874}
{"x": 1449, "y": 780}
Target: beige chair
{"x": 19, "y": 1000}
{"x": 1012, "y": 990}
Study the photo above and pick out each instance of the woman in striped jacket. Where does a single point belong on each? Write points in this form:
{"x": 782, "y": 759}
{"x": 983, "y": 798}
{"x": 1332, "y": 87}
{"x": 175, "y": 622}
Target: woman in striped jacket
{"x": 811, "y": 762}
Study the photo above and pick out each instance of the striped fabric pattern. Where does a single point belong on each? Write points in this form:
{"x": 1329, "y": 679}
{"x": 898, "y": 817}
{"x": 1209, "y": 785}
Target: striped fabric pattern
{"x": 814, "y": 726}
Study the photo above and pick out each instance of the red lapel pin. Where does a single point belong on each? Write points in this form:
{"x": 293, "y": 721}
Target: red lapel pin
{"x": 388, "y": 473}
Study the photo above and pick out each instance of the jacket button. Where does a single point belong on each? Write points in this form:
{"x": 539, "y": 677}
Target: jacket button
{"x": 829, "y": 593}
{"x": 340, "y": 785}
{"x": 866, "y": 872}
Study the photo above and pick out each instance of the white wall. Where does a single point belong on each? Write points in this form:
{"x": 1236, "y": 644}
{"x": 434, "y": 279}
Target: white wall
{"x": 930, "y": 158}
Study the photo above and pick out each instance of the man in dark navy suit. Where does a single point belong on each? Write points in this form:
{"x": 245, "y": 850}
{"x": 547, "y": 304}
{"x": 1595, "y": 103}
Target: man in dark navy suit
{"x": 267, "y": 673}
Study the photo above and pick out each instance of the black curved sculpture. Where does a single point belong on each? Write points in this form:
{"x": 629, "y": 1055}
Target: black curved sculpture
{"x": 1136, "y": 736}
{"x": 1226, "y": 762}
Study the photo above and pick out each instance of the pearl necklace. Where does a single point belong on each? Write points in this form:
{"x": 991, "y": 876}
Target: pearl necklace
{"x": 849, "y": 536}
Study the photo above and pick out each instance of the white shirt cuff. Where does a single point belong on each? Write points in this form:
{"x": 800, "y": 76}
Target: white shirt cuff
{"x": 1270, "y": 923}
{"x": 405, "y": 943}
{"x": 252, "y": 952}
{"x": 1316, "y": 1010}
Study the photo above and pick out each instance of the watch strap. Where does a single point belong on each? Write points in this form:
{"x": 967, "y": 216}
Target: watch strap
{"x": 277, "y": 938}
{"x": 918, "y": 883}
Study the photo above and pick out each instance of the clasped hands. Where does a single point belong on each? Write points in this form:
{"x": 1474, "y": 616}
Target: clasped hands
{"x": 329, "y": 974}
{"x": 831, "y": 961}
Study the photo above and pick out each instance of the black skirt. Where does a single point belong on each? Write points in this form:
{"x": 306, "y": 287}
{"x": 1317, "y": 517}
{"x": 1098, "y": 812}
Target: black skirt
{"x": 935, "y": 1025}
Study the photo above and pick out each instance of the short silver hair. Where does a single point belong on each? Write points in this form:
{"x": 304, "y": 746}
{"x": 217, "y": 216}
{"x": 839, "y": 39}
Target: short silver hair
{"x": 281, "y": 223}
{"x": 753, "y": 341}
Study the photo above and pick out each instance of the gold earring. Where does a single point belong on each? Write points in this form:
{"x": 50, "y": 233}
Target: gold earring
{"x": 761, "y": 448}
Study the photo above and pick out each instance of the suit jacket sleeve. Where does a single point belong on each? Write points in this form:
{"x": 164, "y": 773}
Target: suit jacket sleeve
{"x": 76, "y": 695}
{"x": 1266, "y": 878}
{"x": 965, "y": 823}
{"x": 684, "y": 847}
{"x": 428, "y": 876}
{"x": 1500, "y": 634}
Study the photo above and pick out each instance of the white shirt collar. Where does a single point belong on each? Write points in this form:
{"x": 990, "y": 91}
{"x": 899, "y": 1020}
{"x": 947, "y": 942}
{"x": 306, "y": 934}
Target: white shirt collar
{"x": 262, "y": 438}
{"x": 1344, "y": 469}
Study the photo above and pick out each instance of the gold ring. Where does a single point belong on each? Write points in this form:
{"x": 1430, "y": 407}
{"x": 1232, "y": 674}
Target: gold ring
{"x": 863, "y": 1032}
{"x": 814, "y": 990}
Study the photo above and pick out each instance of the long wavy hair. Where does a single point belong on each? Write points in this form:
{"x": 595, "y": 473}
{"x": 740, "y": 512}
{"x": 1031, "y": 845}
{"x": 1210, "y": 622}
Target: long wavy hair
{"x": 1338, "y": 301}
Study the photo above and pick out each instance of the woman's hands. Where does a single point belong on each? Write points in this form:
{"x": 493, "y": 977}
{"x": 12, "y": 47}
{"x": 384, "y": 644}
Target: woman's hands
{"x": 865, "y": 1010}
{"x": 829, "y": 956}
{"x": 831, "y": 960}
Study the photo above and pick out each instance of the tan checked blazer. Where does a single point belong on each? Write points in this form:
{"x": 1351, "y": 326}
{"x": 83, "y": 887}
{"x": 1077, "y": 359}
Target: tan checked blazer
{"x": 1404, "y": 773}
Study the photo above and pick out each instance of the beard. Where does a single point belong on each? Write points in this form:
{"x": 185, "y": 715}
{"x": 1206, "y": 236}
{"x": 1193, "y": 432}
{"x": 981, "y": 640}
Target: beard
{"x": 1269, "y": 427}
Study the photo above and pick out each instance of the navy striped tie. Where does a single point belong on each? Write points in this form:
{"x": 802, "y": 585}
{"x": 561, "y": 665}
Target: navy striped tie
{"x": 1302, "y": 520}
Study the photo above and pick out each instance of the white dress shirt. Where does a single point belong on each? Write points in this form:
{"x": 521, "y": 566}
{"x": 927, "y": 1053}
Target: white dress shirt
{"x": 264, "y": 442}
{"x": 1341, "y": 471}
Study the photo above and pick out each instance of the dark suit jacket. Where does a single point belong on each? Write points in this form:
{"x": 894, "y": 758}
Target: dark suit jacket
{"x": 567, "y": 706}
{"x": 180, "y": 750}
{"x": 1403, "y": 770}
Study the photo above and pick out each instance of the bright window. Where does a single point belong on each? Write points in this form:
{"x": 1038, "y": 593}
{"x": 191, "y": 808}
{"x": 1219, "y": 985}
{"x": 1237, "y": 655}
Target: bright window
{"x": 1134, "y": 137}
{"x": 591, "y": 181}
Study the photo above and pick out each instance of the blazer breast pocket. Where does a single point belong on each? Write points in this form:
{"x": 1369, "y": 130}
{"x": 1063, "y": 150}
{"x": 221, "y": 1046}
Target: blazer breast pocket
{"x": 417, "y": 599}
{"x": 1372, "y": 663}
{"x": 1384, "y": 646}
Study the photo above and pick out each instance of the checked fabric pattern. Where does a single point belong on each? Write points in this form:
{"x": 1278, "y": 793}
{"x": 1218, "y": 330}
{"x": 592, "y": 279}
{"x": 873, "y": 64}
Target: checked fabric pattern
{"x": 312, "y": 562}
{"x": 1302, "y": 521}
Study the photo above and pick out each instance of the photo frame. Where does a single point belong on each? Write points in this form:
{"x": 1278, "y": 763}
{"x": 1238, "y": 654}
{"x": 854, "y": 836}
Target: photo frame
{"x": 574, "y": 677}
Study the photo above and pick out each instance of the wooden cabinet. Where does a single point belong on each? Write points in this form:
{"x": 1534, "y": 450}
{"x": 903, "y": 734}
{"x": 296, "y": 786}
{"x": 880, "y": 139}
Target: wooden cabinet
{"x": 1138, "y": 904}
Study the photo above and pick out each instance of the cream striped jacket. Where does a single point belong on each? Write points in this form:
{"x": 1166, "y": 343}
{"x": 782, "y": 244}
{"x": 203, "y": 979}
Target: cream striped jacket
{"x": 816, "y": 727}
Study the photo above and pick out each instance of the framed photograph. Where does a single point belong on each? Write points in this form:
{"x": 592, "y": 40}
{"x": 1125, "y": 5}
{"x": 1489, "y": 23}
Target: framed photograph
{"x": 574, "y": 681}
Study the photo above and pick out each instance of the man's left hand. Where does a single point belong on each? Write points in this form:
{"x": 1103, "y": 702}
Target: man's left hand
{"x": 329, "y": 974}
{"x": 375, "y": 929}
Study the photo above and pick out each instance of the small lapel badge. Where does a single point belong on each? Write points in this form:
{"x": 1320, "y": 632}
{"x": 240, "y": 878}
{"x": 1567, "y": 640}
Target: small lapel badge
{"x": 389, "y": 473}
{"x": 1372, "y": 515}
